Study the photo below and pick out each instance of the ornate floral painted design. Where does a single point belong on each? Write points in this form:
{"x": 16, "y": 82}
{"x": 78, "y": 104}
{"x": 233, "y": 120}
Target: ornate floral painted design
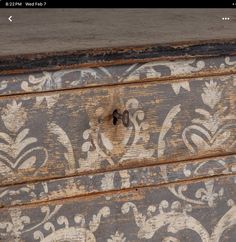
{"x": 121, "y": 217}
{"x": 16, "y": 226}
{"x": 45, "y": 81}
{"x": 79, "y": 232}
{"x": 18, "y": 149}
{"x": 163, "y": 127}
{"x": 169, "y": 121}
{"x": 212, "y": 94}
{"x": 63, "y": 139}
{"x": 167, "y": 124}
{"x": 127, "y": 179}
{"x": 39, "y": 84}
{"x": 212, "y": 129}
{"x": 99, "y": 148}
{"x": 177, "y": 219}
{"x": 207, "y": 194}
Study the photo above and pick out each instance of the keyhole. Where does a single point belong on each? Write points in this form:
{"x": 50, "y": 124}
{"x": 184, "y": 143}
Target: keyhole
{"x": 124, "y": 117}
{"x": 115, "y": 116}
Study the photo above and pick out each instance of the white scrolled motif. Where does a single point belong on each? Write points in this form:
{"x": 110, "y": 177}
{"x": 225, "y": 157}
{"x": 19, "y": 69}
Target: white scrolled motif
{"x": 176, "y": 218}
{"x": 16, "y": 226}
{"x": 71, "y": 234}
{"x": 63, "y": 139}
{"x": 46, "y": 81}
{"x": 207, "y": 194}
{"x": 94, "y": 223}
{"x": 225, "y": 223}
{"x": 212, "y": 130}
{"x": 17, "y": 150}
{"x": 153, "y": 69}
{"x": 76, "y": 233}
{"x": 63, "y": 220}
{"x": 229, "y": 62}
{"x": 167, "y": 124}
{"x": 98, "y": 147}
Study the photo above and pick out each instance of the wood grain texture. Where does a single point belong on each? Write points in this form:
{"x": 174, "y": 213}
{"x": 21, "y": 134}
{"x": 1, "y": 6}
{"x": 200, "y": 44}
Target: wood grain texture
{"x": 206, "y": 212}
{"x": 56, "y": 189}
{"x": 115, "y": 74}
{"x": 71, "y": 132}
{"x": 113, "y": 56}
{"x": 67, "y": 173}
{"x": 48, "y": 30}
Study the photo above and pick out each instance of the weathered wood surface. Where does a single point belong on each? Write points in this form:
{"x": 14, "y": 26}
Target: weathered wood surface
{"x": 204, "y": 211}
{"x": 48, "y": 30}
{"x": 52, "y": 135}
{"x": 114, "y": 56}
{"x": 116, "y": 74}
{"x": 67, "y": 173}
{"x": 116, "y": 180}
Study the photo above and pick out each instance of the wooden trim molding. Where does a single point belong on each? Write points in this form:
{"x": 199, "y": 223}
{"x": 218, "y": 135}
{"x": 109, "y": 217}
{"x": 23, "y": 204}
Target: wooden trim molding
{"x": 113, "y": 56}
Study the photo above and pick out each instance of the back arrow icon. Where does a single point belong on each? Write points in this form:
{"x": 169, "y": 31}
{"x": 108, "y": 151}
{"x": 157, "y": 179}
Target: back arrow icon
{"x": 10, "y": 18}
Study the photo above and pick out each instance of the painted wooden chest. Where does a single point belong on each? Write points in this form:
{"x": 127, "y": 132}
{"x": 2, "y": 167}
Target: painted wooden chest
{"x": 122, "y": 144}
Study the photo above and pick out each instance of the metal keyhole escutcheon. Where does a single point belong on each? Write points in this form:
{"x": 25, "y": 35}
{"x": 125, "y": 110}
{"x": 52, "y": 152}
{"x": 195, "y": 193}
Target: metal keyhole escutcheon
{"x": 124, "y": 117}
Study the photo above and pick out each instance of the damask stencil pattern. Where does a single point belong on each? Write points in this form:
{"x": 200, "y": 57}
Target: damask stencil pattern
{"x": 65, "y": 145}
{"x": 71, "y": 130}
{"x": 74, "y": 78}
{"x": 148, "y": 214}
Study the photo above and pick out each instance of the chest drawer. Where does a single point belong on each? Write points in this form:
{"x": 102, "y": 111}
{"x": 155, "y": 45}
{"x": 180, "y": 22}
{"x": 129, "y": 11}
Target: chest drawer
{"x": 152, "y": 214}
{"x": 133, "y": 146}
{"x": 71, "y": 132}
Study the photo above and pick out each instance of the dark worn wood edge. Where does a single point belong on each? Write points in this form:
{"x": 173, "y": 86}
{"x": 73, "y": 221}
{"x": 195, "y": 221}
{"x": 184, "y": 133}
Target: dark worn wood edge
{"x": 119, "y": 55}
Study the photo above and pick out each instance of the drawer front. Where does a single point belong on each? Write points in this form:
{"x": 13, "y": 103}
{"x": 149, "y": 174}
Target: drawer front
{"x": 122, "y": 179}
{"x": 40, "y": 81}
{"x": 206, "y": 212}
{"x": 72, "y": 132}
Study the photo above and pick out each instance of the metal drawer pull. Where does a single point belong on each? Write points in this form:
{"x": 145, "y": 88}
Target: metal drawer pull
{"x": 124, "y": 117}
